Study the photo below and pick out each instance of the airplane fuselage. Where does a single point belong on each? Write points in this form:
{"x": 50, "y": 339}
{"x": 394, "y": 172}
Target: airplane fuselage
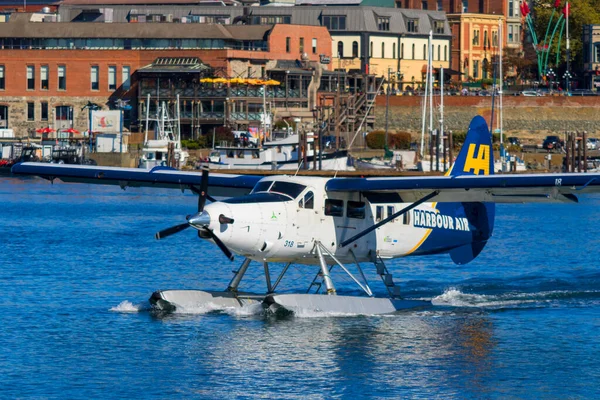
{"x": 285, "y": 216}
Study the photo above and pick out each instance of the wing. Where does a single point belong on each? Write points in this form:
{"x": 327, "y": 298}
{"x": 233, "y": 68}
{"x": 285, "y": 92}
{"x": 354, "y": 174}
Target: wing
{"x": 477, "y": 188}
{"x": 219, "y": 185}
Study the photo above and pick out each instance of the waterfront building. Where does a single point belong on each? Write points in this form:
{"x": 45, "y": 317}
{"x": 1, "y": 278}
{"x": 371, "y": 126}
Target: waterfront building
{"x": 50, "y": 70}
{"x": 591, "y": 57}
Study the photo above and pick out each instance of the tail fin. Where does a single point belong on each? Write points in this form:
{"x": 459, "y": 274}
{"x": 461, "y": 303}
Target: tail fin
{"x": 476, "y": 156}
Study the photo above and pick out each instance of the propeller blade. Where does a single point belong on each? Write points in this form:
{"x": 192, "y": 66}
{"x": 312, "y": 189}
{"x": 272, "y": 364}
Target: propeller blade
{"x": 171, "y": 231}
{"x": 221, "y": 245}
{"x": 225, "y": 220}
{"x": 203, "y": 189}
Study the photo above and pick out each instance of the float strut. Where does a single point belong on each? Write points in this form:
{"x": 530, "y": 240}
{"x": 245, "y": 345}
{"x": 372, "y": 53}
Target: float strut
{"x": 325, "y": 271}
{"x": 237, "y": 278}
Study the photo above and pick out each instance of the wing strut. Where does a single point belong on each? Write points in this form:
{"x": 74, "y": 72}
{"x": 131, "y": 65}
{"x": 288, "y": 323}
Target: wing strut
{"x": 388, "y": 219}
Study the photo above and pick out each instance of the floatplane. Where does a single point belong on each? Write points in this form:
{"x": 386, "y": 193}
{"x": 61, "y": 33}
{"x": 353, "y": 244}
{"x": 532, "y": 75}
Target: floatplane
{"x": 324, "y": 222}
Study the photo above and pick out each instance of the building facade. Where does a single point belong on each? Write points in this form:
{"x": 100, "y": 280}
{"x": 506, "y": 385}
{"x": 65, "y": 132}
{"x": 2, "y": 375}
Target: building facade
{"x": 49, "y": 71}
{"x": 591, "y": 57}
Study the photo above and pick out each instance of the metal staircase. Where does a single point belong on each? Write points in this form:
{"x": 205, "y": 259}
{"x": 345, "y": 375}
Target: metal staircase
{"x": 386, "y": 277}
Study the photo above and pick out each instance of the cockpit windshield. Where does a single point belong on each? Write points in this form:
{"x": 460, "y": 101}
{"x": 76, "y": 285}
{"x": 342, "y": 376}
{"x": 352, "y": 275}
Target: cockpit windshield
{"x": 289, "y": 189}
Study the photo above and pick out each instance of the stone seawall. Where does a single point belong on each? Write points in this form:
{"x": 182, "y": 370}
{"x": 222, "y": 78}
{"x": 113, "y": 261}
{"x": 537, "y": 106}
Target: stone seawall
{"x": 527, "y": 117}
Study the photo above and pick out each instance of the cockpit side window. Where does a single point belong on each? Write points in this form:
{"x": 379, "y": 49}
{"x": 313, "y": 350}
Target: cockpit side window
{"x": 308, "y": 201}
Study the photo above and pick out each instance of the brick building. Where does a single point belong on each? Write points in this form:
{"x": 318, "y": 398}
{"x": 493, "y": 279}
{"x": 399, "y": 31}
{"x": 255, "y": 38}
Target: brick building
{"x": 50, "y": 70}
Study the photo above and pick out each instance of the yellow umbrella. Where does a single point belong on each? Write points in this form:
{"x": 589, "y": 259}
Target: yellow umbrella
{"x": 219, "y": 80}
{"x": 206, "y": 80}
{"x": 272, "y": 82}
{"x": 236, "y": 80}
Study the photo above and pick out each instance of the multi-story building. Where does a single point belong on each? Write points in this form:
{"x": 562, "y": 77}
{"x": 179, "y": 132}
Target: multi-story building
{"x": 591, "y": 57}
{"x": 50, "y": 70}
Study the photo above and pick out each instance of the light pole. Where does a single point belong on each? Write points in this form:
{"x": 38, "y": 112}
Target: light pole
{"x": 551, "y": 75}
{"x": 567, "y": 76}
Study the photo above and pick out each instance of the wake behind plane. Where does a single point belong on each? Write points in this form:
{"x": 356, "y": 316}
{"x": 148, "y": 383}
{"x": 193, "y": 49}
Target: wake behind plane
{"x": 336, "y": 222}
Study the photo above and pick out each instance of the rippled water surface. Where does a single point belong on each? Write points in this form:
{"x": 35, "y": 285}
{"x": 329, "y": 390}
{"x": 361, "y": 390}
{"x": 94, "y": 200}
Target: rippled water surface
{"x": 79, "y": 262}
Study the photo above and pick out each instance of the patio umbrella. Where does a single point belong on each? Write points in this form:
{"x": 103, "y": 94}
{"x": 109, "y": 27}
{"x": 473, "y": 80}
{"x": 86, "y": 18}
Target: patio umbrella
{"x": 206, "y": 80}
{"x": 219, "y": 80}
{"x": 237, "y": 80}
{"x": 272, "y": 82}
{"x": 71, "y": 130}
{"x": 45, "y": 130}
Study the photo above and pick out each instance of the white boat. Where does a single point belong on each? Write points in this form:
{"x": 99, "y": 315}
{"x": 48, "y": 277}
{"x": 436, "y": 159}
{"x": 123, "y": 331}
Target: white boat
{"x": 167, "y": 133}
{"x": 401, "y": 160}
{"x": 281, "y": 154}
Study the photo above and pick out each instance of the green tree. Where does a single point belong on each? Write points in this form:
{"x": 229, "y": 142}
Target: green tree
{"x": 582, "y": 12}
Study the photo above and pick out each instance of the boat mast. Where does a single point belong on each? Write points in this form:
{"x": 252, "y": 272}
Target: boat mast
{"x": 502, "y": 151}
{"x": 147, "y": 117}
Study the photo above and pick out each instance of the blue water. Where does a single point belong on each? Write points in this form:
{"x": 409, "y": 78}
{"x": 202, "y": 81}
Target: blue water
{"x": 79, "y": 262}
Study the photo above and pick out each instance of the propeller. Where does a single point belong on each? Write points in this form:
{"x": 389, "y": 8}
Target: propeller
{"x": 201, "y": 220}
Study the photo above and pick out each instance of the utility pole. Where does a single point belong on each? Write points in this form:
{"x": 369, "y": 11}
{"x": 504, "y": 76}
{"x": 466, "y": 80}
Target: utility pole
{"x": 387, "y": 107}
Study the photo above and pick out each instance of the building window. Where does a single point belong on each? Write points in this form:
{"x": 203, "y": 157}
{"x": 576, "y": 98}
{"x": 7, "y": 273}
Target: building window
{"x": 402, "y": 51}
{"x": 44, "y": 111}
{"x": 383, "y": 23}
{"x": 4, "y": 117}
{"x": 112, "y": 78}
{"x": 596, "y": 53}
{"x": 335, "y": 23}
{"x": 510, "y": 34}
{"x": 485, "y": 65}
{"x": 314, "y": 46}
{"x": 371, "y": 50}
{"x": 511, "y": 8}
{"x": 393, "y": 51}
{"x": 30, "y": 111}
{"x": 476, "y": 69}
{"x": 340, "y": 49}
{"x": 382, "y": 50}
{"x": 424, "y": 52}
{"x": 126, "y": 78}
{"x": 44, "y": 77}
{"x": 439, "y": 52}
{"x": 424, "y": 5}
{"x": 438, "y": 26}
{"x": 30, "y": 77}
{"x": 2, "y": 81}
{"x": 412, "y": 25}
{"x": 445, "y": 53}
{"x": 94, "y": 77}
{"x": 494, "y": 39}
{"x": 465, "y": 6}
{"x": 62, "y": 77}
{"x": 288, "y": 44}
{"x": 413, "y": 51}
{"x": 475, "y": 37}
{"x": 301, "y": 45}
{"x": 440, "y": 5}
{"x": 486, "y": 39}
{"x": 355, "y": 49}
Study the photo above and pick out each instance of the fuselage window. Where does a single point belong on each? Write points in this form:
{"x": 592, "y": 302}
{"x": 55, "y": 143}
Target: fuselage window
{"x": 406, "y": 219}
{"x": 378, "y": 213}
{"x": 390, "y": 212}
{"x": 335, "y": 208}
{"x": 308, "y": 201}
{"x": 355, "y": 209}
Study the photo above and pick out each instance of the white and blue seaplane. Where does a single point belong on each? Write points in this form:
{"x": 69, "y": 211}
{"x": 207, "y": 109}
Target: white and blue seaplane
{"x": 326, "y": 222}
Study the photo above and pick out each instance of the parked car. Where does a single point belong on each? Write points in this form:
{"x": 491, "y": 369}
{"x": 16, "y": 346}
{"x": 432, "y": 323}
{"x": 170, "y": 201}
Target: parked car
{"x": 553, "y": 143}
{"x": 513, "y": 141}
{"x": 531, "y": 93}
{"x": 592, "y": 144}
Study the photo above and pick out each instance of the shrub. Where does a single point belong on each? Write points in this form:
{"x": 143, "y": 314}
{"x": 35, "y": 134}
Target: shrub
{"x": 190, "y": 144}
{"x": 399, "y": 140}
{"x": 376, "y": 139}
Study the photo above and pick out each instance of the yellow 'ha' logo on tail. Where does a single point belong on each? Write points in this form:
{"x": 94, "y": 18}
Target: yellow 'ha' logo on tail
{"x": 479, "y": 163}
